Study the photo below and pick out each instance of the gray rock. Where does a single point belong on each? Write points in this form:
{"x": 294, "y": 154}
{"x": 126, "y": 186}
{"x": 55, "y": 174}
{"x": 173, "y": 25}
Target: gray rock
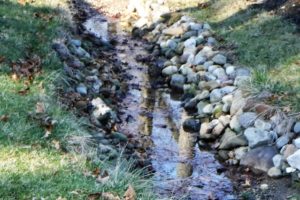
{"x": 185, "y": 69}
{"x": 296, "y": 142}
{"x": 174, "y": 31}
{"x": 235, "y": 124}
{"x": 219, "y": 59}
{"x": 259, "y": 158}
{"x": 195, "y": 26}
{"x": 277, "y": 160}
{"x": 220, "y": 74}
{"x": 208, "y": 85}
{"x": 296, "y": 128}
{"x": 191, "y": 125}
{"x": 208, "y": 109}
{"x": 170, "y": 70}
{"x": 200, "y": 107}
{"x": 294, "y": 160}
{"x": 218, "y": 129}
{"x": 238, "y": 102}
{"x": 257, "y": 137}
{"x": 231, "y": 140}
{"x": 193, "y": 102}
{"x": 75, "y": 42}
{"x": 241, "y": 80}
{"x": 199, "y": 59}
{"x": 274, "y": 172}
{"x": 281, "y": 141}
{"x": 209, "y": 77}
{"x": 230, "y": 71}
{"x": 216, "y": 95}
{"x": 177, "y": 81}
{"x": 193, "y": 77}
{"x": 288, "y": 150}
{"x": 228, "y": 90}
{"x": 240, "y": 152}
{"x": 205, "y": 131}
{"x": 247, "y": 119}
{"x": 81, "y": 89}
{"x": 207, "y": 64}
{"x": 211, "y": 41}
{"x": 227, "y": 99}
{"x": 212, "y": 68}
{"x": 224, "y": 119}
{"x": 171, "y": 44}
{"x": 101, "y": 110}
{"x": 262, "y": 125}
{"x": 98, "y": 27}
{"x": 191, "y": 42}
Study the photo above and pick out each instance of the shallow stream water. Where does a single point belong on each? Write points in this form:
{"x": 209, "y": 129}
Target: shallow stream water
{"x": 182, "y": 169}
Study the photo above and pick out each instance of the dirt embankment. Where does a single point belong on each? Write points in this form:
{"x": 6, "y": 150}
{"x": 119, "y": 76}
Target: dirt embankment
{"x": 289, "y": 9}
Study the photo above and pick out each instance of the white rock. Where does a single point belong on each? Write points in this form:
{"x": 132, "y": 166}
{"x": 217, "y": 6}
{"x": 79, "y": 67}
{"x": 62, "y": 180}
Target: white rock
{"x": 97, "y": 26}
{"x": 208, "y": 109}
{"x": 264, "y": 186}
{"x": 191, "y": 42}
{"x": 240, "y": 152}
{"x": 294, "y": 160}
{"x": 100, "y": 108}
{"x": 296, "y": 128}
{"x": 219, "y": 59}
{"x": 263, "y": 125}
{"x": 247, "y": 119}
{"x": 296, "y": 142}
{"x": 290, "y": 170}
{"x": 170, "y": 70}
{"x": 216, "y": 95}
{"x": 274, "y": 172}
{"x": 277, "y": 160}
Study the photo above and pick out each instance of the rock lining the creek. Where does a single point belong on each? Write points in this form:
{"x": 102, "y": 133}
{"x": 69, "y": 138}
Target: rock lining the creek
{"x": 213, "y": 86}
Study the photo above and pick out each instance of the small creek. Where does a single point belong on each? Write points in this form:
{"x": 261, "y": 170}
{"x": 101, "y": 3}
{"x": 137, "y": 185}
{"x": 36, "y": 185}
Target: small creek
{"x": 182, "y": 169}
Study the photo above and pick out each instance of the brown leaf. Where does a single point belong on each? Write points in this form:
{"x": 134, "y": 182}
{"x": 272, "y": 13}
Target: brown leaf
{"x": 109, "y": 196}
{"x": 94, "y": 196}
{"x": 96, "y": 172}
{"x": 24, "y": 91}
{"x": 130, "y": 193}
{"x": 2, "y": 58}
{"x": 4, "y": 118}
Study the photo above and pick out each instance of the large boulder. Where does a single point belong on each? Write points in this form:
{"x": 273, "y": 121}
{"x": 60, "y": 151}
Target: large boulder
{"x": 294, "y": 160}
{"x": 257, "y": 137}
{"x": 260, "y": 158}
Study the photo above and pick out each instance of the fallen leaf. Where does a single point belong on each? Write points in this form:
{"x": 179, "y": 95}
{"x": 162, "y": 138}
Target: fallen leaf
{"x": 56, "y": 144}
{"x": 40, "y": 107}
{"x": 109, "y": 196}
{"x": 94, "y": 196}
{"x": 4, "y": 118}
{"x": 14, "y": 77}
{"x": 24, "y": 91}
{"x": 130, "y": 193}
{"x": 2, "y": 58}
{"x": 96, "y": 172}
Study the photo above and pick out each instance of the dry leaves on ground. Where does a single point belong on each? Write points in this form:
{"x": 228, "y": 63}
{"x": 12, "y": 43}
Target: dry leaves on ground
{"x": 130, "y": 193}
{"x": 4, "y": 118}
{"x": 27, "y": 67}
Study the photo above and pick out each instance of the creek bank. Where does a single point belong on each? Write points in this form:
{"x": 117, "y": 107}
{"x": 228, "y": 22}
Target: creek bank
{"x": 245, "y": 130}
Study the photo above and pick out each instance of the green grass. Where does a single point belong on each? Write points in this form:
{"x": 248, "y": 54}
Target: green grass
{"x": 263, "y": 41}
{"x": 32, "y": 166}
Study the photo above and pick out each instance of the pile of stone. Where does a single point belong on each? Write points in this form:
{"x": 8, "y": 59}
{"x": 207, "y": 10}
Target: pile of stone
{"x": 245, "y": 130}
